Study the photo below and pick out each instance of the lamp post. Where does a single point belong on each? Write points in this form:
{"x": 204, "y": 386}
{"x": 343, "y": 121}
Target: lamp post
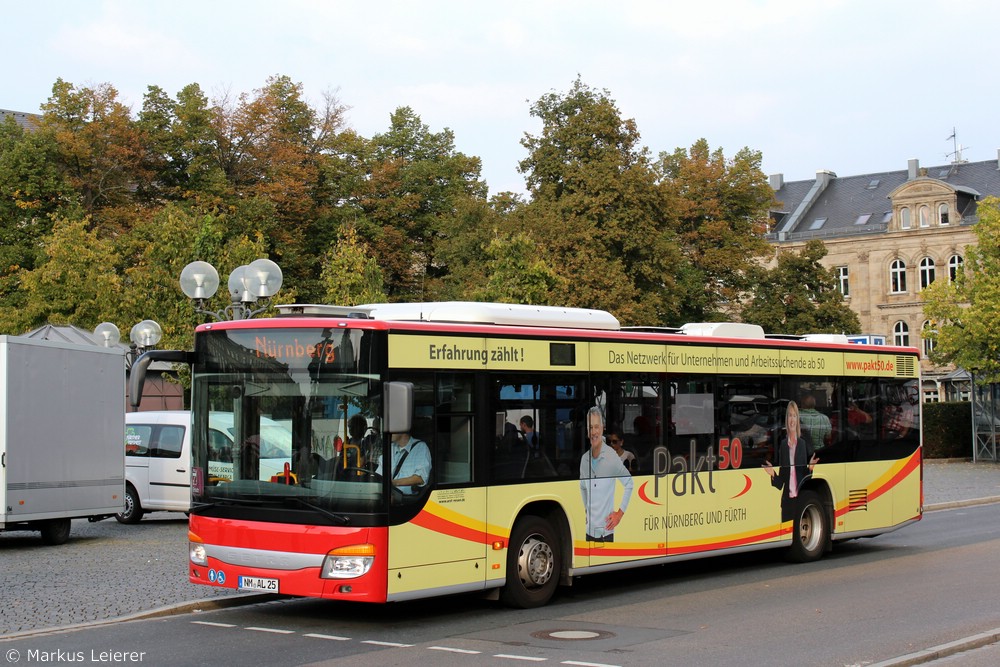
{"x": 250, "y": 286}
{"x": 144, "y": 336}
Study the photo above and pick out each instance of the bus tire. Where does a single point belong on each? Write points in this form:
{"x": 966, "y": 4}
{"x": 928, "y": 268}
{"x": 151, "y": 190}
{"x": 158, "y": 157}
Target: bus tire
{"x": 534, "y": 563}
{"x": 811, "y": 529}
{"x": 132, "y": 512}
{"x": 55, "y": 531}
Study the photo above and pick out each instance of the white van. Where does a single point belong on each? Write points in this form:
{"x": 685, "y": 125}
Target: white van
{"x": 158, "y": 458}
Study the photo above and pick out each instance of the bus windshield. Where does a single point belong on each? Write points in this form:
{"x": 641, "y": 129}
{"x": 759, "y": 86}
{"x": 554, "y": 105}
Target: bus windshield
{"x": 287, "y": 421}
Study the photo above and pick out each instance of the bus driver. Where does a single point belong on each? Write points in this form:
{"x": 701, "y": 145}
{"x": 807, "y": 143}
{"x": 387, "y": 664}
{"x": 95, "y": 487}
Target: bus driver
{"x": 411, "y": 463}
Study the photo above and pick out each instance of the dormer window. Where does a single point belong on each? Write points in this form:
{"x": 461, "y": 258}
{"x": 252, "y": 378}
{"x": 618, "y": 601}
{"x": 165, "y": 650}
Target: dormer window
{"x": 904, "y": 218}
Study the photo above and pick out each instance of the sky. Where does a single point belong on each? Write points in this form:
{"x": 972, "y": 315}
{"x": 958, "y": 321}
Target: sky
{"x": 851, "y": 86}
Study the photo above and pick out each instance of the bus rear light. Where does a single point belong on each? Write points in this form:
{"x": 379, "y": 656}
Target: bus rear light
{"x": 348, "y": 562}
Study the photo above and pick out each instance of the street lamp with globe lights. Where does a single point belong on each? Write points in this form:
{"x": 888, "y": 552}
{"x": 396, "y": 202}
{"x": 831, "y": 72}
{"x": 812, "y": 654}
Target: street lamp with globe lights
{"x": 249, "y": 286}
{"x": 144, "y": 336}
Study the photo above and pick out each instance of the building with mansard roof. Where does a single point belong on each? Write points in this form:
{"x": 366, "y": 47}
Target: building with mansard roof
{"x": 27, "y": 121}
{"x": 889, "y": 235}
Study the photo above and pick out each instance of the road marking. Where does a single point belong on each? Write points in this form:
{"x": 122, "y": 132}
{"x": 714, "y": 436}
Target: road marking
{"x": 392, "y": 644}
{"x": 452, "y": 650}
{"x": 519, "y": 657}
{"x": 332, "y": 637}
{"x": 274, "y": 630}
{"x": 587, "y": 664}
{"x": 217, "y": 625}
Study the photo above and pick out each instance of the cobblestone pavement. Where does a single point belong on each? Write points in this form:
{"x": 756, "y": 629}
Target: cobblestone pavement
{"x": 108, "y": 570}
{"x": 105, "y": 571}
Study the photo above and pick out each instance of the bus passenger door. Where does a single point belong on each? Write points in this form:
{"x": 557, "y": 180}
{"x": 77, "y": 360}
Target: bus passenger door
{"x": 443, "y": 546}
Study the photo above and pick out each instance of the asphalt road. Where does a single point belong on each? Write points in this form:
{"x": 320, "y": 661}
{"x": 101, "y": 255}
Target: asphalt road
{"x": 869, "y": 600}
{"x": 108, "y": 571}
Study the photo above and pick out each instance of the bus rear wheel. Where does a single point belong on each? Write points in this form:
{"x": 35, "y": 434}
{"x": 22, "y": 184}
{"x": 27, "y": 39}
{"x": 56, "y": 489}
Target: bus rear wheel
{"x": 534, "y": 562}
{"x": 811, "y": 530}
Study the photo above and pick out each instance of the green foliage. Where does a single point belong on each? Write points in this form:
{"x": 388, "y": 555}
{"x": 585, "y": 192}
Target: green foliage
{"x": 596, "y": 206}
{"x": 516, "y": 274}
{"x": 947, "y": 430}
{"x": 721, "y": 209}
{"x": 350, "y": 275}
{"x": 100, "y": 210}
{"x": 417, "y": 185}
{"x": 74, "y": 284}
{"x": 965, "y": 315}
{"x": 800, "y": 296}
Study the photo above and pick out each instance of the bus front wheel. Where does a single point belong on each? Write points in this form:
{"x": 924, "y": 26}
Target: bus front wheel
{"x": 534, "y": 562}
{"x": 811, "y": 531}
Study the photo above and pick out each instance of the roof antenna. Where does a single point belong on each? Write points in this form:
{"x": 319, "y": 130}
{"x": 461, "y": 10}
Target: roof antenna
{"x": 956, "y": 153}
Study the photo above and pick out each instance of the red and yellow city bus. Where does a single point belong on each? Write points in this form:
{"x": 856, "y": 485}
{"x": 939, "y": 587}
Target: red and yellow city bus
{"x": 508, "y": 414}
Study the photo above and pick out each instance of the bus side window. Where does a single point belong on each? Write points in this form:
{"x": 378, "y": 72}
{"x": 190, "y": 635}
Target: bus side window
{"x": 454, "y": 404}
{"x": 454, "y": 450}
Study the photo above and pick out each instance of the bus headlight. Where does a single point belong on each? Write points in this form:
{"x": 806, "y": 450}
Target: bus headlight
{"x": 348, "y": 562}
{"x": 197, "y": 553}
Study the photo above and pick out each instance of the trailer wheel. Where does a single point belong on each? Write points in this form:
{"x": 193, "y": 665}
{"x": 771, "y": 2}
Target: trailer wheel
{"x": 534, "y": 561}
{"x": 55, "y": 531}
{"x": 133, "y": 508}
{"x": 810, "y": 531}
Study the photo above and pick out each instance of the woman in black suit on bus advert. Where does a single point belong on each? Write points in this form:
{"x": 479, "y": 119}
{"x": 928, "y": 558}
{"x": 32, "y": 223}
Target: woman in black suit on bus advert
{"x": 796, "y": 460}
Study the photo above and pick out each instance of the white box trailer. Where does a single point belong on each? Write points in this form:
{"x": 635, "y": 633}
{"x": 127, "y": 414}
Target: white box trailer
{"x": 62, "y": 422}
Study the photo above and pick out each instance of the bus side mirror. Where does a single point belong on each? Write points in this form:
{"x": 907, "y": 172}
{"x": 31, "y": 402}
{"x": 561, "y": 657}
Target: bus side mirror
{"x": 398, "y": 397}
{"x": 137, "y": 373}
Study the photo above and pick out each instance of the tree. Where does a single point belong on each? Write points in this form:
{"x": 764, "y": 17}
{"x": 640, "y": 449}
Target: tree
{"x": 350, "y": 275}
{"x": 73, "y": 284}
{"x": 32, "y": 190}
{"x": 722, "y": 210}
{"x": 100, "y": 150}
{"x": 965, "y": 313}
{"x": 515, "y": 272}
{"x": 595, "y": 205}
{"x": 800, "y": 296}
{"x": 417, "y": 185}
{"x": 180, "y": 142}
{"x": 153, "y": 256}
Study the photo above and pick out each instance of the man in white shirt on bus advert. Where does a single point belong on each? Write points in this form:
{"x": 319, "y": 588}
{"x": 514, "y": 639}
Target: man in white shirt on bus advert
{"x": 600, "y": 468}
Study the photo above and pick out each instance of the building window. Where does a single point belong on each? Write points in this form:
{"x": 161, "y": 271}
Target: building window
{"x": 897, "y": 276}
{"x": 901, "y": 334}
{"x": 942, "y": 214}
{"x": 925, "y": 216}
{"x": 926, "y": 272}
{"x": 926, "y": 335}
{"x": 931, "y": 396}
{"x": 904, "y": 218}
{"x": 843, "y": 281}
{"x": 955, "y": 263}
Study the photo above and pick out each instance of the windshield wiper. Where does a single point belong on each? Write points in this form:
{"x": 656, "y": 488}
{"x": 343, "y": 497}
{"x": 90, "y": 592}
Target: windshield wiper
{"x": 195, "y": 508}
{"x": 338, "y": 518}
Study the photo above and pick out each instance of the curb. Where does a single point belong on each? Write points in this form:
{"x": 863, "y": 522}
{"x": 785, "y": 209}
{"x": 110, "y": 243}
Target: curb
{"x": 962, "y": 503}
{"x": 943, "y": 650}
{"x": 206, "y": 604}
